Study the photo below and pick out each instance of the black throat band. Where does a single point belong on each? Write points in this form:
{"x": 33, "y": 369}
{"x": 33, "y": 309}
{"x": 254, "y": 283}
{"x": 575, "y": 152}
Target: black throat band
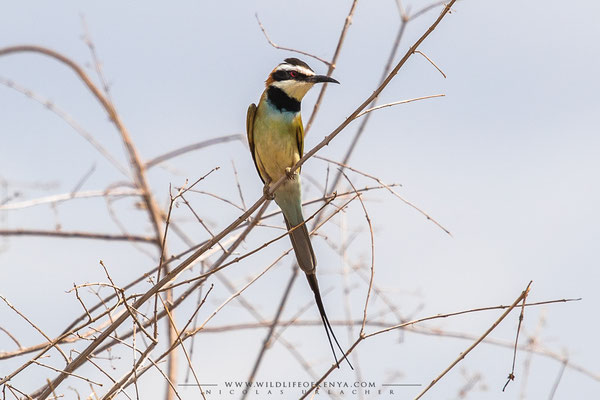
{"x": 281, "y": 100}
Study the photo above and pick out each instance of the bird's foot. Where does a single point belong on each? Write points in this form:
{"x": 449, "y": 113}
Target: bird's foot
{"x": 266, "y": 192}
{"x": 290, "y": 175}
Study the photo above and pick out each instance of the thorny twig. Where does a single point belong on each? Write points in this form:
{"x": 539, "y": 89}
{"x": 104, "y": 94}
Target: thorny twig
{"x": 468, "y": 350}
{"x": 511, "y": 375}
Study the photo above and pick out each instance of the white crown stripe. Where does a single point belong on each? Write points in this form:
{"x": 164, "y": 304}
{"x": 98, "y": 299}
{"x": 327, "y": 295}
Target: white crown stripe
{"x": 297, "y": 68}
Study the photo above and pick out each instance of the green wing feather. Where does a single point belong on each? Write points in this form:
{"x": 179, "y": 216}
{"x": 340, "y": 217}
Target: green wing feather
{"x": 250, "y": 133}
{"x": 300, "y": 138}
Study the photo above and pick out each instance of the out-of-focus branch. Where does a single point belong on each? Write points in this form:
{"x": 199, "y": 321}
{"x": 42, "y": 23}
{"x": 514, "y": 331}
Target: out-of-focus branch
{"x": 58, "y": 198}
{"x": 68, "y": 119}
{"x": 558, "y": 378}
{"x": 338, "y": 48}
{"x": 372, "y": 277}
{"x": 76, "y": 235}
{"x": 136, "y": 164}
{"x": 192, "y": 147}
{"x": 267, "y": 340}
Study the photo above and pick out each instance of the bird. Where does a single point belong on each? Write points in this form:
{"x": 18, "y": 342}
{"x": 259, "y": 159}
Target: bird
{"x": 276, "y": 141}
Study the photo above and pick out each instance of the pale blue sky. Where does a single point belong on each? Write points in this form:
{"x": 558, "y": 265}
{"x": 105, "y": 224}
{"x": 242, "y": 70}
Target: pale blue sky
{"x": 508, "y": 161}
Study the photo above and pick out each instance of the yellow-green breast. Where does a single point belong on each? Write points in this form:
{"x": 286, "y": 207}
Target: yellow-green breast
{"x": 275, "y": 140}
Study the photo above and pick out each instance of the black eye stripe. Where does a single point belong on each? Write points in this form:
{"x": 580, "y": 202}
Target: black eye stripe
{"x": 280, "y": 75}
{"x": 300, "y": 76}
{"x": 283, "y": 75}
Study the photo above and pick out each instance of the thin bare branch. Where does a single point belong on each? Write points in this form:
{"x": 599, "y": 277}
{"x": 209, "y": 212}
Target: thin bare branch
{"x": 239, "y": 187}
{"x": 255, "y": 250}
{"x": 432, "y": 63}
{"x": 384, "y": 74}
{"x": 180, "y": 343}
{"x": 87, "y": 39}
{"x": 20, "y": 314}
{"x": 71, "y": 374}
{"x": 395, "y": 103}
{"x": 218, "y": 198}
{"x": 511, "y": 375}
{"x": 83, "y": 179}
{"x": 227, "y": 301}
{"x": 114, "y": 390}
{"x": 14, "y": 339}
{"x": 388, "y": 187}
{"x": 461, "y": 356}
{"x": 362, "y": 328}
{"x": 162, "y": 256}
{"x": 425, "y": 9}
{"x": 200, "y": 220}
{"x": 12, "y": 388}
{"x": 262, "y": 28}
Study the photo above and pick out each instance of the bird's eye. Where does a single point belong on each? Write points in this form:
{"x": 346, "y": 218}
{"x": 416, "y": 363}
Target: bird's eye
{"x": 293, "y": 74}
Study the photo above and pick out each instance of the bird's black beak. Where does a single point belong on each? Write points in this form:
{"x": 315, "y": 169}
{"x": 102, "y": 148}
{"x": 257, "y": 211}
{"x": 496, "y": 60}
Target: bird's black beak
{"x": 322, "y": 79}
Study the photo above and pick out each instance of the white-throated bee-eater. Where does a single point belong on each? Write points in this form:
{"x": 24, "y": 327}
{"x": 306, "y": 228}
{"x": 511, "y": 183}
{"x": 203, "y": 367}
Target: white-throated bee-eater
{"x": 276, "y": 139}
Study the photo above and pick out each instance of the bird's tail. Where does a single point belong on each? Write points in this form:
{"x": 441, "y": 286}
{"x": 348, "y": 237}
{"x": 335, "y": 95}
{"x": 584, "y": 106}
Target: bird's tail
{"x": 314, "y": 285}
{"x": 307, "y": 262}
{"x": 288, "y": 197}
{"x": 289, "y": 200}
{"x": 302, "y": 247}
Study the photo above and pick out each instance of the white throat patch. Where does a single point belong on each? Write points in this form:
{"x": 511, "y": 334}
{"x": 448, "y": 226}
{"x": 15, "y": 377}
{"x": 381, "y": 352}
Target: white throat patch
{"x": 294, "y": 89}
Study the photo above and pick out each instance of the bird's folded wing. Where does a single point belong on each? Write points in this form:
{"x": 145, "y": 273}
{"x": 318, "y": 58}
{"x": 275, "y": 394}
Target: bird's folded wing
{"x": 300, "y": 138}
{"x": 250, "y": 133}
